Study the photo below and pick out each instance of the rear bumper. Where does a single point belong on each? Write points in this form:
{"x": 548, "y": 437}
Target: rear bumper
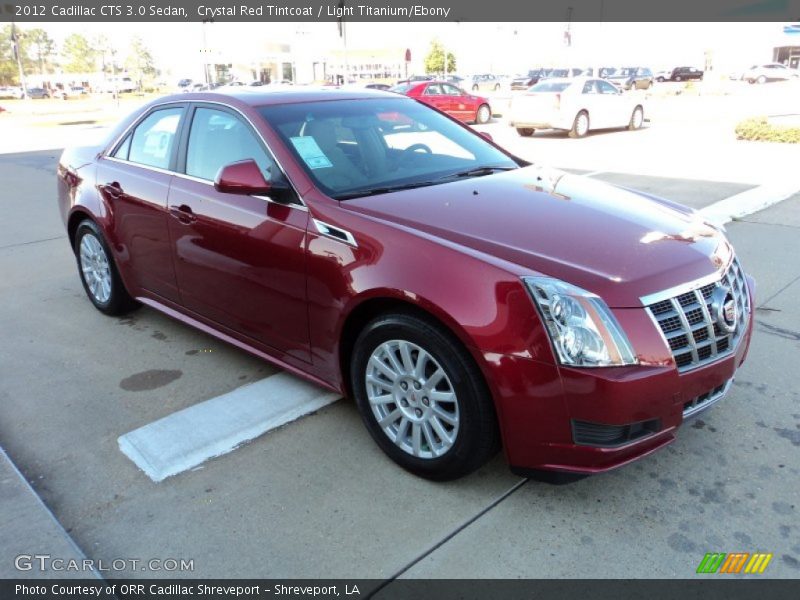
{"x": 539, "y": 405}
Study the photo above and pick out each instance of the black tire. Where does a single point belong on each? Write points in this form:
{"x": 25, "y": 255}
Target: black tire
{"x": 483, "y": 116}
{"x": 525, "y": 131}
{"x": 575, "y": 132}
{"x": 678, "y": 78}
{"x": 477, "y": 438}
{"x": 475, "y": 88}
{"x": 637, "y": 118}
{"x": 119, "y": 301}
{"x": 496, "y": 87}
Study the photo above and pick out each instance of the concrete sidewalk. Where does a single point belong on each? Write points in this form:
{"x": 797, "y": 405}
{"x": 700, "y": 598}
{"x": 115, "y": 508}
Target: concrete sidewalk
{"x": 29, "y": 528}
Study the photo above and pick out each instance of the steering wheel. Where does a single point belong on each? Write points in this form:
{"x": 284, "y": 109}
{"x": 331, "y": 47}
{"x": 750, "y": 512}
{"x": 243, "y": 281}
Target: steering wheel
{"x": 410, "y": 152}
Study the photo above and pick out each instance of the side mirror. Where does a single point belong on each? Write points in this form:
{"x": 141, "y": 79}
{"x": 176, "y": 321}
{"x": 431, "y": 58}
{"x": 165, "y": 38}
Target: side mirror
{"x": 242, "y": 177}
{"x": 487, "y": 135}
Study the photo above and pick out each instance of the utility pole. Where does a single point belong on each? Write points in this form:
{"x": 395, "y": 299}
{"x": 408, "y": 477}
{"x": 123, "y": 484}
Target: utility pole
{"x": 15, "y": 46}
{"x": 205, "y": 54}
{"x": 343, "y": 35}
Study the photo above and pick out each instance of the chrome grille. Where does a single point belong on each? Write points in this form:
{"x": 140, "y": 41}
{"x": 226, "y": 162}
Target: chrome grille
{"x": 691, "y": 330}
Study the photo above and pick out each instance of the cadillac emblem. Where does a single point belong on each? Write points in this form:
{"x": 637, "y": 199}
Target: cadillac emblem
{"x": 724, "y": 310}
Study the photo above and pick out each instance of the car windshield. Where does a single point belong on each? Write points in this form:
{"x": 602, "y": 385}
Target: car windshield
{"x": 550, "y": 86}
{"x": 374, "y": 146}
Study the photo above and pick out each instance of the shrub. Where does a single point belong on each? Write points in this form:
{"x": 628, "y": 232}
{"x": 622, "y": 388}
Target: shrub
{"x": 759, "y": 129}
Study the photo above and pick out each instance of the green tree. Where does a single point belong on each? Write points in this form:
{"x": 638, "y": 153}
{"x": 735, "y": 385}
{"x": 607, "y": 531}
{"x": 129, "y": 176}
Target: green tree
{"x": 40, "y": 48}
{"x": 140, "y": 62}
{"x": 9, "y": 71}
{"x": 434, "y": 61}
{"x": 8, "y": 65}
{"x": 79, "y": 55}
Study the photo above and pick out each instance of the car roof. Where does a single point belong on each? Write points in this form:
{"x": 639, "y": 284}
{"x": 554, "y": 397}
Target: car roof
{"x": 259, "y": 96}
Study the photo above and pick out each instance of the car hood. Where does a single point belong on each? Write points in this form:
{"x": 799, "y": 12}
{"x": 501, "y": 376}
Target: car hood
{"x": 615, "y": 242}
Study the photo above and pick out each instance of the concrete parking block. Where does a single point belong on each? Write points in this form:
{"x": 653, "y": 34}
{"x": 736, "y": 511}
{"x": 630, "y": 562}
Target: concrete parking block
{"x": 187, "y": 438}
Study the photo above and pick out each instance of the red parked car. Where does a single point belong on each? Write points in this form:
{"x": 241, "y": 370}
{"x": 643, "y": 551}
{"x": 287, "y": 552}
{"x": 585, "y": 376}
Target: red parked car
{"x": 377, "y": 247}
{"x": 449, "y": 99}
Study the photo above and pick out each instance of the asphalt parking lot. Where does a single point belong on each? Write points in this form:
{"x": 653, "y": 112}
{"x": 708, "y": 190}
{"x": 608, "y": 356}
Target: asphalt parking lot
{"x": 317, "y": 498}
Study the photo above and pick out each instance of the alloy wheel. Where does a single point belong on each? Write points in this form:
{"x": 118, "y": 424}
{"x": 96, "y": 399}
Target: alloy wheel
{"x": 95, "y": 268}
{"x": 412, "y": 399}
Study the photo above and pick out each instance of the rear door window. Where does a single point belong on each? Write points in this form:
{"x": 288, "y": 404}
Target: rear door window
{"x": 153, "y": 140}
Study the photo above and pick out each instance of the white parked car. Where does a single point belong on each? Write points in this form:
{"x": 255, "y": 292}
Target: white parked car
{"x": 11, "y": 92}
{"x": 769, "y": 72}
{"x": 577, "y": 105}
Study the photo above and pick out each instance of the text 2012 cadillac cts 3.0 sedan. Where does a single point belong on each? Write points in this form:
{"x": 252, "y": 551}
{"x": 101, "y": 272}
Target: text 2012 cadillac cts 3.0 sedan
{"x": 372, "y": 244}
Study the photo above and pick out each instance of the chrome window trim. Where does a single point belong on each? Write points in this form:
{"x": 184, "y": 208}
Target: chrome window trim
{"x": 301, "y": 207}
{"x": 111, "y": 147}
{"x": 325, "y": 230}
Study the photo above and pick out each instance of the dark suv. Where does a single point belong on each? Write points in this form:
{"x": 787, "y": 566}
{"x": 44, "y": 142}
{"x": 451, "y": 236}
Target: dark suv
{"x": 685, "y": 74}
{"x": 629, "y": 78}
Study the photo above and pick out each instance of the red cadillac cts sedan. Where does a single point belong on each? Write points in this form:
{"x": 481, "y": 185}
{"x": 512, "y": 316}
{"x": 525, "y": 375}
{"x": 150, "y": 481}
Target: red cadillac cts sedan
{"x": 449, "y": 99}
{"x": 462, "y": 296}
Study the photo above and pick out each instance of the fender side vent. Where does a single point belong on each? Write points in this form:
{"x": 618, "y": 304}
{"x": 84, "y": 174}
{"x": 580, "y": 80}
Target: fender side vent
{"x": 335, "y": 233}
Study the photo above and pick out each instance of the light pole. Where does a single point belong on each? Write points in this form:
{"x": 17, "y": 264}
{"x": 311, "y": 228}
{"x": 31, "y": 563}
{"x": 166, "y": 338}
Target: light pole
{"x": 15, "y": 46}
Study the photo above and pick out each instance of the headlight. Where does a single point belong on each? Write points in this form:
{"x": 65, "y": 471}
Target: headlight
{"x": 583, "y": 330}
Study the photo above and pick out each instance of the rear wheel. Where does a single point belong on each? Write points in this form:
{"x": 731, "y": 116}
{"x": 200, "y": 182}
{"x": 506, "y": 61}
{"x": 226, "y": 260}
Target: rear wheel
{"x": 483, "y": 114}
{"x": 525, "y": 131}
{"x": 580, "y": 126}
{"x": 496, "y": 87}
{"x": 422, "y": 398}
{"x": 475, "y": 88}
{"x": 637, "y": 118}
{"x": 98, "y": 273}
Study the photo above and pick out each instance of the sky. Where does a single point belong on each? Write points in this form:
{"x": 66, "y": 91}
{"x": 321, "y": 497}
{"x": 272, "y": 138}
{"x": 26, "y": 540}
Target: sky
{"x": 503, "y": 48}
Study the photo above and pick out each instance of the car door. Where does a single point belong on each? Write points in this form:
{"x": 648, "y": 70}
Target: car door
{"x": 134, "y": 179}
{"x": 240, "y": 260}
{"x": 460, "y": 104}
{"x": 433, "y": 95}
{"x": 614, "y": 105}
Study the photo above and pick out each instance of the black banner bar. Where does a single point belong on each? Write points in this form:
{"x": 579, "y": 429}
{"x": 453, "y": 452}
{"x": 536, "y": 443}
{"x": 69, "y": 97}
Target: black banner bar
{"x": 704, "y": 587}
{"x": 400, "y": 10}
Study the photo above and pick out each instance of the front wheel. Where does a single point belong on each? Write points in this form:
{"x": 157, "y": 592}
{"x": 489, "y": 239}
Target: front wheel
{"x": 98, "y": 273}
{"x": 761, "y": 80}
{"x": 484, "y": 114}
{"x": 580, "y": 127}
{"x": 679, "y": 78}
{"x": 637, "y": 118}
{"x": 525, "y": 131}
{"x": 422, "y": 398}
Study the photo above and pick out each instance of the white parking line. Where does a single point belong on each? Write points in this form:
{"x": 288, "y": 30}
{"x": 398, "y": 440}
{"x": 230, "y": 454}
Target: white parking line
{"x": 189, "y": 437}
{"x": 749, "y": 201}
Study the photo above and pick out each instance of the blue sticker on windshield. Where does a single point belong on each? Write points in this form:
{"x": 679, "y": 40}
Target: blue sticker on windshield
{"x": 310, "y": 152}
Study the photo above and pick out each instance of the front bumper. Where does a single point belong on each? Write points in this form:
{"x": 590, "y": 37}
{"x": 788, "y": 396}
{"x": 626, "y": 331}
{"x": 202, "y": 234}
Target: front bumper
{"x": 540, "y": 404}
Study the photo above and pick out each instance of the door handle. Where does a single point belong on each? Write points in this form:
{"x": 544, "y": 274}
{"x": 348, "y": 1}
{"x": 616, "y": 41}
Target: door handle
{"x": 183, "y": 213}
{"x": 113, "y": 189}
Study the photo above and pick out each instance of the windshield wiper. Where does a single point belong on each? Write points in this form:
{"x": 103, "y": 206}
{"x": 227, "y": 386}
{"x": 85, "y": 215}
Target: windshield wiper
{"x": 476, "y": 172}
{"x": 382, "y": 190}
